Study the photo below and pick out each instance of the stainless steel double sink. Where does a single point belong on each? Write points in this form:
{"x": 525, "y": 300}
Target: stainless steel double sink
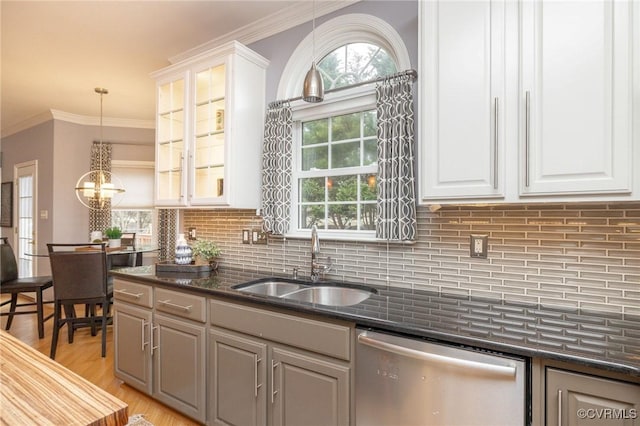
{"x": 322, "y": 294}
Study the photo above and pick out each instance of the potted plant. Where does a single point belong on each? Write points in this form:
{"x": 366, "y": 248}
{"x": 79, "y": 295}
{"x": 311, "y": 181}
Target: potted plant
{"x": 113, "y": 234}
{"x": 208, "y": 251}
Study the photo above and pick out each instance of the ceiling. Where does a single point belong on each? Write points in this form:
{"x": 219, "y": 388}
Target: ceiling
{"x": 54, "y": 53}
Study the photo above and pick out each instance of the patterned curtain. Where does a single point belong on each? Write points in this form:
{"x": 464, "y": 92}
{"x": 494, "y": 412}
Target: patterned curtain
{"x": 396, "y": 204}
{"x": 167, "y": 219}
{"x": 100, "y": 217}
{"x": 276, "y": 169}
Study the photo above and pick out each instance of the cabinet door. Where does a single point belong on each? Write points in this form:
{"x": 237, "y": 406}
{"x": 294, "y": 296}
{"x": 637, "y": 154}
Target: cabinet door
{"x": 132, "y": 328}
{"x": 238, "y": 379}
{"x": 179, "y": 369}
{"x": 308, "y": 390}
{"x": 580, "y": 399}
{"x": 462, "y": 98}
{"x": 576, "y": 97}
{"x": 207, "y": 170}
{"x": 171, "y": 142}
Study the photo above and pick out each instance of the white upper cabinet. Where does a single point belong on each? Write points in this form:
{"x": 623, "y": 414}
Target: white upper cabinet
{"x": 462, "y": 63}
{"x": 210, "y": 114}
{"x": 527, "y": 101}
{"x": 576, "y": 73}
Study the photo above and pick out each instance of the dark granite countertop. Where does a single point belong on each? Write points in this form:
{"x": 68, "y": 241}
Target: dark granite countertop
{"x": 597, "y": 339}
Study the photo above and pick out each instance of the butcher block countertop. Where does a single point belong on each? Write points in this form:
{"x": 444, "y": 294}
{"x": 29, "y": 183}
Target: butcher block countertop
{"x": 35, "y": 390}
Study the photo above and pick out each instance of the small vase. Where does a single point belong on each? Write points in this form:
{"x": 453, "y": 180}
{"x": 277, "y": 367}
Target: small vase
{"x": 183, "y": 254}
{"x": 115, "y": 242}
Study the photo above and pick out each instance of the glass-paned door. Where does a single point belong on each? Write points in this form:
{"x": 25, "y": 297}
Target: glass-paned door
{"x": 209, "y": 153}
{"x": 171, "y": 143}
{"x": 25, "y": 214}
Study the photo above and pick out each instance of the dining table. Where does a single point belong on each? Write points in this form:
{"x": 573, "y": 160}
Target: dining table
{"x": 136, "y": 253}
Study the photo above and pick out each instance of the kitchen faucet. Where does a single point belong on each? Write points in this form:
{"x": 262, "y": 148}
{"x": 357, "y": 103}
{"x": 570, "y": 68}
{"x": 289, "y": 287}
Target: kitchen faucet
{"x": 317, "y": 268}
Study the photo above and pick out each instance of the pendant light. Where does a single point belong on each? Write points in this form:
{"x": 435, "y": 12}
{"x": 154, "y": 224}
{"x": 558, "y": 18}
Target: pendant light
{"x": 313, "y": 89}
{"x": 99, "y": 189}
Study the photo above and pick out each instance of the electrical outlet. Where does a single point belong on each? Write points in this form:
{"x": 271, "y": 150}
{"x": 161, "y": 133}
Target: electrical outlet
{"x": 479, "y": 246}
{"x": 246, "y": 236}
{"x": 258, "y": 237}
{"x": 192, "y": 233}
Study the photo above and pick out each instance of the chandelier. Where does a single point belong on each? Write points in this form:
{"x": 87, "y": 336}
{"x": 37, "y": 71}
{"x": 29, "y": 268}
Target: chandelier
{"x": 99, "y": 189}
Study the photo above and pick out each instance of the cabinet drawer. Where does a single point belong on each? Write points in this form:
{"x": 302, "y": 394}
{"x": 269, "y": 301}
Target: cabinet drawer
{"x": 181, "y": 304}
{"x": 317, "y": 336}
{"x": 135, "y": 293}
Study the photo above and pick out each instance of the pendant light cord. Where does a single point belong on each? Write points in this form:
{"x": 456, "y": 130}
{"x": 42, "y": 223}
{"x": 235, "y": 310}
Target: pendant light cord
{"x": 100, "y": 164}
{"x": 102, "y": 91}
{"x": 313, "y": 32}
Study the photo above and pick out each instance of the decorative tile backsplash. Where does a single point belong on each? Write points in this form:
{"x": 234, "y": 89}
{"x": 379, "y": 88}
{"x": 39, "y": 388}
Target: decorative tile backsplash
{"x": 577, "y": 255}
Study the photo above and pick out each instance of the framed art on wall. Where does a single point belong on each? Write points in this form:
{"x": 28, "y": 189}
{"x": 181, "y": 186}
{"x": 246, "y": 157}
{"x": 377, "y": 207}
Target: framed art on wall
{"x": 6, "y": 204}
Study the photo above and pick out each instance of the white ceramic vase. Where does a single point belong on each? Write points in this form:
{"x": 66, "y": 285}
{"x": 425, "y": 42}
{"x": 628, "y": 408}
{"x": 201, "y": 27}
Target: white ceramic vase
{"x": 184, "y": 253}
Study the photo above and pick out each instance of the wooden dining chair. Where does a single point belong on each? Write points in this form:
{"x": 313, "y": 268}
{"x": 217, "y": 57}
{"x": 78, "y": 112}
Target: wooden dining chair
{"x": 79, "y": 277}
{"x": 11, "y": 284}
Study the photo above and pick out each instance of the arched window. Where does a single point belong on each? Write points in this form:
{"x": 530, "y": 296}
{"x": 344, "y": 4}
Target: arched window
{"x": 334, "y": 150}
{"x": 355, "y": 63}
{"x": 345, "y": 30}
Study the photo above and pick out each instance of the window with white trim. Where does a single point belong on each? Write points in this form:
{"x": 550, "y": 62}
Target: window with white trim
{"x": 337, "y": 180}
{"x": 335, "y": 142}
{"x": 136, "y": 212}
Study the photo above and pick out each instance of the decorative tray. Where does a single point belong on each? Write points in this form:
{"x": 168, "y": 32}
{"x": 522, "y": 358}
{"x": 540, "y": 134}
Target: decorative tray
{"x": 170, "y": 266}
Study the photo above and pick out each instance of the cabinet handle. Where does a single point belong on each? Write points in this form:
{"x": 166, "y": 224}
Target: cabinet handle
{"x": 144, "y": 343}
{"x": 126, "y": 293}
{"x": 527, "y": 135}
{"x": 273, "y": 380}
{"x": 507, "y": 371}
{"x": 255, "y": 375}
{"x": 495, "y": 143}
{"x": 559, "y": 407}
{"x": 175, "y": 306}
{"x": 190, "y": 164}
{"x": 154, "y": 347}
{"x": 182, "y": 172}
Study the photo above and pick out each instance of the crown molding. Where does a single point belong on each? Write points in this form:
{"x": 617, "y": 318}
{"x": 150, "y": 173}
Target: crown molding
{"x": 275, "y": 23}
{"x": 84, "y": 120}
{"x": 26, "y": 124}
{"x": 106, "y": 121}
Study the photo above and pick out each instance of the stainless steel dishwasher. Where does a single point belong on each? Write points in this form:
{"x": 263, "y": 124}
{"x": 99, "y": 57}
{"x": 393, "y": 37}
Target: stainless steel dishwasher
{"x": 402, "y": 382}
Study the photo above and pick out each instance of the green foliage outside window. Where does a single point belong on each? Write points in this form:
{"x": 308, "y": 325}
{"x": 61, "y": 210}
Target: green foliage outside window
{"x": 355, "y": 63}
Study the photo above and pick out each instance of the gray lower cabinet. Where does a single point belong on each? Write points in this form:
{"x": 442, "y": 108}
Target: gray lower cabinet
{"x": 160, "y": 344}
{"x": 132, "y": 349}
{"x": 264, "y": 368}
{"x": 179, "y": 371}
{"x": 581, "y": 399}
{"x": 308, "y": 390}
{"x": 238, "y": 376}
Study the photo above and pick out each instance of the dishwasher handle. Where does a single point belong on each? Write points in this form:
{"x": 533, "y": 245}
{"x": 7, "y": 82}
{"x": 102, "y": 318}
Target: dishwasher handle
{"x": 501, "y": 370}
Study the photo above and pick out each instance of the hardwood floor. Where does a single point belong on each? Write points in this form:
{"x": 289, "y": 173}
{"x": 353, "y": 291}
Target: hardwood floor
{"x": 83, "y": 357}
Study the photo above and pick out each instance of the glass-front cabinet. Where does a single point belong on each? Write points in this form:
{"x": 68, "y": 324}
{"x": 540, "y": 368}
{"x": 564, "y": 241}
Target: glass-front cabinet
{"x": 170, "y": 140}
{"x": 208, "y": 153}
{"x": 210, "y": 115}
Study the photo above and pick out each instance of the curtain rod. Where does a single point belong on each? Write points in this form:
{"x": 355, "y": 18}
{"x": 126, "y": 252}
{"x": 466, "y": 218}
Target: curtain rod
{"x": 410, "y": 73}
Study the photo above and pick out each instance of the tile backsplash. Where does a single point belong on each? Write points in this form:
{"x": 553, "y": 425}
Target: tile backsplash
{"x": 575, "y": 255}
